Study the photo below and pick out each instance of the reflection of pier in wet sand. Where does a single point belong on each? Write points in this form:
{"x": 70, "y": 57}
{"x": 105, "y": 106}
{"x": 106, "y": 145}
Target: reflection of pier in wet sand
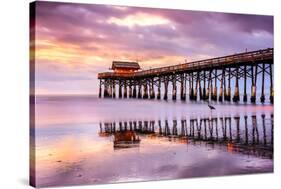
{"x": 252, "y": 135}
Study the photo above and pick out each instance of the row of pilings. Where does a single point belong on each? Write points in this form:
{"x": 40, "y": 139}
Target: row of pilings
{"x": 215, "y": 84}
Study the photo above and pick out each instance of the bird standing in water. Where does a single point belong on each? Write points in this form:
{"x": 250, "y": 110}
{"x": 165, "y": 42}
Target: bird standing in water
{"x": 211, "y": 108}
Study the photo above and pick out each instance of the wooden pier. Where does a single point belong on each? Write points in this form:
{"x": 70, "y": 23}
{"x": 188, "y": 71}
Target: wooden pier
{"x": 208, "y": 79}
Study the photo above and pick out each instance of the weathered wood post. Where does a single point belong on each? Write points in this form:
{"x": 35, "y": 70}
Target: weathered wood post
{"x": 229, "y": 85}
{"x": 130, "y": 89}
{"x": 204, "y": 85}
{"x": 262, "y": 85}
{"x": 113, "y": 89}
{"x": 152, "y": 94}
{"x": 221, "y": 86}
{"x": 196, "y": 86}
{"x": 120, "y": 89}
{"x": 210, "y": 85}
{"x": 145, "y": 92}
{"x": 184, "y": 86}
{"x": 105, "y": 92}
{"x": 182, "y": 81}
{"x": 159, "y": 89}
{"x": 245, "y": 84}
{"x": 139, "y": 90}
{"x": 100, "y": 89}
{"x": 236, "y": 96}
{"x": 149, "y": 88}
{"x": 271, "y": 84}
{"x": 135, "y": 89}
{"x": 109, "y": 90}
{"x": 214, "y": 96}
{"x": 212, "y": 88}
{"x": 166, "y": 85}
{"x": 125, "y": 89}
{"x": 200, "y": 88}
{"x": 191, "y": 90}
{"x": 253, "y": 92}
{"x": 174, "y": 96}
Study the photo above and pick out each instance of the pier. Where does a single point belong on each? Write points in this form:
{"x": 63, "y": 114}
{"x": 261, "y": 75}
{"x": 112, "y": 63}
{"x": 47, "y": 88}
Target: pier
{"x": 206, "y": 80}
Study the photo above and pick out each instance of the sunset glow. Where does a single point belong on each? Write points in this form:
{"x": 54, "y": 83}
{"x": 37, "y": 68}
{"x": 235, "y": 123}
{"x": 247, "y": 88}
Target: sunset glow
{"x": 74, "y": 42}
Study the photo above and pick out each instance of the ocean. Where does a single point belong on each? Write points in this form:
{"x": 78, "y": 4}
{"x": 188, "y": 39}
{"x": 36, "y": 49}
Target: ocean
{"x": 83, "y": 139}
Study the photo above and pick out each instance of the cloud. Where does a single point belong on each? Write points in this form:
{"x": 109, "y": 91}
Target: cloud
{"x": 139, "y": 19}
{"x": 88, "y": 37}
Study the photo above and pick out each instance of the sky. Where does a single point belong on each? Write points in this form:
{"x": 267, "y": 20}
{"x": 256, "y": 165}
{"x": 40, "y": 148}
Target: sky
{"x": 74, "y": 42}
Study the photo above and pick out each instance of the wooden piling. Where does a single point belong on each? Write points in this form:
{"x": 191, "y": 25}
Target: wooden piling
{"x": 262, "y": 98}
{"x": 113, "y": 89}
{"x": 159, "y": 89}
{"x": 222, "y": 86}
{"x": 104, "y": 89}
{"x": 145, "y": 92}
{"x": 152, "y": 93}
{"x": 196, "y": 86}
{"x": 253, "y": 91}
{"x": 139, "y": 89}
{"x": 204, "y": 86}
{"x": 120, "y": 89}
{"x": 174, "y": 95}
{"x": 200, "y": 88}
{"x": 191, "y": 90}
{"x": 210, "y": 85}
{"x": 271, "y": 84}
{"x": 100, "y": 89}
{"x": 125, "y": 89}
{"x": 182, "y": 87}
{"x": 130, "y": 90}
{"x": 229, "y": 85}
{"x": 214, "y": 90}
{"x": 166, "y": 85}
{"x": 236, "y": 97}
{"x": 135, "y": 90}
{"x": 245, "y": 84}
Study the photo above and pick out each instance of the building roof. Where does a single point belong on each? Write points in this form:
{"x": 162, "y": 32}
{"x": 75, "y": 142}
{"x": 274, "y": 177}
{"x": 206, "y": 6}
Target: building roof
{"x": 125, "y": 64}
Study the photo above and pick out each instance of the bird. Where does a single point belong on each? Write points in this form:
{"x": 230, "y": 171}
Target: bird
{"x": 211, "y": 107}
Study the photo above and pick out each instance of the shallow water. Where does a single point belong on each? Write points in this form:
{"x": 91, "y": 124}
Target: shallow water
{"x": 76, "y": 137}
